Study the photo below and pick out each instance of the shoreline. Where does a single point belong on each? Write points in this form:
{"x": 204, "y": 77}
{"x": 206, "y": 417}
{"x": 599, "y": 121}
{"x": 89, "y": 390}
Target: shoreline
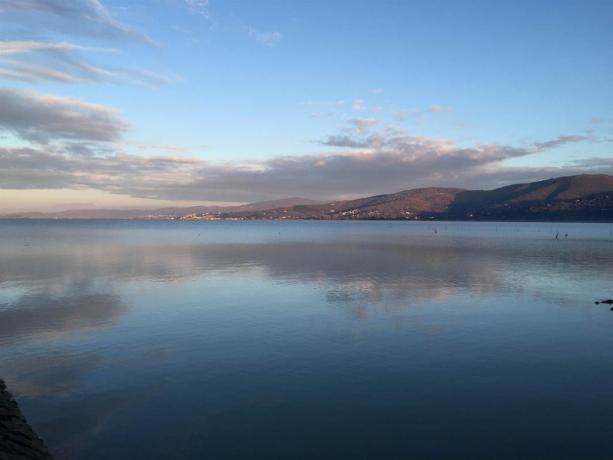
{"x": 434, "y": 220}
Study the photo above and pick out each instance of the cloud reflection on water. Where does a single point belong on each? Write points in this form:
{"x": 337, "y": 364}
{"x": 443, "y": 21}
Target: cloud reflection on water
{"x": 44, "y": 315}
{"x": 71, "y": 288}
{"x": 58, "y": 294}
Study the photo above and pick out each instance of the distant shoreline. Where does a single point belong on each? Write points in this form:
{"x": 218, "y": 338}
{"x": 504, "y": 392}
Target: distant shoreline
{"x": 441, "y": 220}
{"x": 583, "y": 198}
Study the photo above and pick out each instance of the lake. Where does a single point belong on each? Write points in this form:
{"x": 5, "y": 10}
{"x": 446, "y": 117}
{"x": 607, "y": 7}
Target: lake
{"x": 310, "y": 340}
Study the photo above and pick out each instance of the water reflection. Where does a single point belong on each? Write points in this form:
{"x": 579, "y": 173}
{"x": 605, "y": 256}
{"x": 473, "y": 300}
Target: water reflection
{"x": 413, "y": 270}
{"x": 81, "y": 420}
{"x": 51, "y": 374}
{"x": 62, "y": 289}
{"x": 139, "y": 334}
{"x": 43, "y": 314}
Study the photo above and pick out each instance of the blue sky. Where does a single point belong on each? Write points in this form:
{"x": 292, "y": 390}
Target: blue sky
{"x": 231, "y": 101}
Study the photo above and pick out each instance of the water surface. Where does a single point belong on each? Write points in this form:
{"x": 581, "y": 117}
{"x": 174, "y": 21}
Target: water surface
{"x": 310, "y": 339}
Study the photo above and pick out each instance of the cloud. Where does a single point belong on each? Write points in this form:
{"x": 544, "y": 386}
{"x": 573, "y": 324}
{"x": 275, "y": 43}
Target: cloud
{"x": 165, "y": 148}
{"x": 87, "y": 17}
{"x": 149, "y": 78}
{"x": 380, "y": 162}
{"x": 62, "y": 70}
{"x": 357, "y": 104}
{"x": 265, "y": 38}
{"x": 395, "y": 164}
{"x": 376, "y": 91}
{"x": 78, "y": 155}
{"x": 594, "y": 162}
{"x": 64, "y": 167}
{"x": 27, "y": 46}
{"x": 344, "y": 141}
{"x": 362, "y": 124}
{"x": 36, "y": 61}
{"x": 40, "y": 118}
{"x": 434, "y": 108}
{"x": 16, "y": 70}
{"x": 45, "y": 314}
{"x": 560, "y": 141}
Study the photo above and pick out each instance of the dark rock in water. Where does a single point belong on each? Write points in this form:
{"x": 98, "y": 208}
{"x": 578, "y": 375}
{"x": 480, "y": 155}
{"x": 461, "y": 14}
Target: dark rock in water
{"x": 17, "y": 439}
{"x": 607, "y": 301}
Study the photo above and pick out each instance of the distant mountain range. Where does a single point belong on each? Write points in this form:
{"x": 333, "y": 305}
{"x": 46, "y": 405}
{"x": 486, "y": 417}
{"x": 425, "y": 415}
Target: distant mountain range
{"x": 160, "y": 213}
{"x": 572, "y": 198}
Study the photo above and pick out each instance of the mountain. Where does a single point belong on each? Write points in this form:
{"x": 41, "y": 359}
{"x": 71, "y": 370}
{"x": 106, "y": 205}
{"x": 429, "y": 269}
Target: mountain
{"x": 161, "y": 213}
{"x": 572, "y": 198}
{"x": 393, "y": 206}
{"x": 263, "y": 205}
{"x": 584, "y": 197}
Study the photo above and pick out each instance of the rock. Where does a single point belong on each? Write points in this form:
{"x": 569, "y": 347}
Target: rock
{"x": 607, "y": 301}
{"x": 17, "y": 439}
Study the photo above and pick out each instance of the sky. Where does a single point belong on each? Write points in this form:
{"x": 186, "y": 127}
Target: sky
{"x": 149, "y": 103}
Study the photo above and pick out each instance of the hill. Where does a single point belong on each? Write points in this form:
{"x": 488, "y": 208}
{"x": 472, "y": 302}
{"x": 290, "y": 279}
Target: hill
{"x": 572, "y": 198}
{"x": 584, "y": 197}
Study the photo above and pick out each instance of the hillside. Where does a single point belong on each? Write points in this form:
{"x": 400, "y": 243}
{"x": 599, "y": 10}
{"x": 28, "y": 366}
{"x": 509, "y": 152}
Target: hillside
{"x": 406, "y": 204}
{"x": 585, "y": 197}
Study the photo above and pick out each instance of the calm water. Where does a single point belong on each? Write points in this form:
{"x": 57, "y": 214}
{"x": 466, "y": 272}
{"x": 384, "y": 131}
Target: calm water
{"x": 310, "y": 340}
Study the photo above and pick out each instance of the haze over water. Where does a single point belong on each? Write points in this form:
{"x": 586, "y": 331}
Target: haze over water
{"x": 310, "y": 339}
